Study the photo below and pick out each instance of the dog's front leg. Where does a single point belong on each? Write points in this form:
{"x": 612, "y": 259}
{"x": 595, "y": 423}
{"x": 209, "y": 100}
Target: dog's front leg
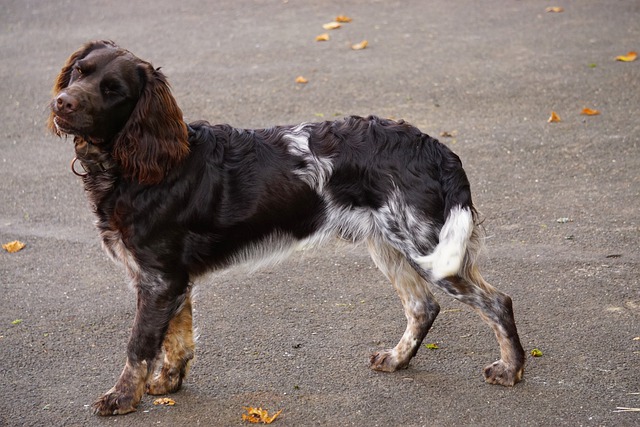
{"x": 157, "y": 304}
{"x": 178, "y": 348}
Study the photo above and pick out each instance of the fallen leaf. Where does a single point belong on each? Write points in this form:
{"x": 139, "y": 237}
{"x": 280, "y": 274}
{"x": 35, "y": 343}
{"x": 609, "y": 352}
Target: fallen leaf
{"x": 332, "y": 25}
{"x": 343, "y": 18}
{"x": 554, "y": 9}
{"x": 322, "y": 37}
{"x": 563, "y": 220}
{"x": 432, "y": 346}
{"x": 301, "y": 80}
{"x": 259, "y": 415}
{"x": 555, "y": 118}
{"x": 636, "y": 338}
{"x": 16, "y": 322}
{"x": 447, "y": 134}
{"x": 589, "y": 112}
{"x": 164, "y": 401}
{"x": 13, "y": 247}
{"x": 360, "y": 46}
{"x": 631, "y": 56}
{"x": 536, "y": 353}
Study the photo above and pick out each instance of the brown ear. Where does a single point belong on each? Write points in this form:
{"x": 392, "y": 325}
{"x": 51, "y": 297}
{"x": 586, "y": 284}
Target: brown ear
{"x": 154, "y": 139}
{"x": 62, "y": 81}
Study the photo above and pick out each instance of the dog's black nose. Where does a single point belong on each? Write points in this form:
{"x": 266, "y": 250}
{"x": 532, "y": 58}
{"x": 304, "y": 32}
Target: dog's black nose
{"x": 66, "y": 103}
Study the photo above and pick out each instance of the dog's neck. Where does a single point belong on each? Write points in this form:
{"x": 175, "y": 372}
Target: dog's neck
{"x": 94, "y": 158}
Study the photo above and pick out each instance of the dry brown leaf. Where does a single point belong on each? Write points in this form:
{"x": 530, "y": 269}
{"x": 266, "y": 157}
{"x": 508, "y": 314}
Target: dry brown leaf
{"x": 360, "y": 46}
{"x": 589, "y": 112}
{"x": 13, "y": 247}
{"x": 301, "y": 80}
{"x": 332, "y": 25}
{"x": 555, "y": 118}
{"x": 343, "y": 18}
{"x": 164, "y": 401}
{"x": 629, "y": 57}
{"x": 322, "y": 37}
{"x": 259, "y": 415}
{"x": 554, "y": 9}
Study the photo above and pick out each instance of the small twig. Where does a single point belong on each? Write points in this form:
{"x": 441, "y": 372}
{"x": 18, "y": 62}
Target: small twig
{"x": 623, "y": 409}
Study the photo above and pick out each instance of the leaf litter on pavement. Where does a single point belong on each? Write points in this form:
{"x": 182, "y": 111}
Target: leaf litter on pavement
{"x": 259, "y": 415}
{"x": 13, "y": 247}
{"x": 629, "y": 57}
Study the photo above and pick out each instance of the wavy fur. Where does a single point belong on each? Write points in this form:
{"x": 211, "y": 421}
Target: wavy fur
{"x": 173, "y": 202}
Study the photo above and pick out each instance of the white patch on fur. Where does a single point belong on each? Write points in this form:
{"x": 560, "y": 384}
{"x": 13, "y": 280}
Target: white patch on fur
{"x": 404, "y": 227}
{"x": 353, "y": 224}
{"x": 266, "y": 252}
{"x": 118, "y": 252}
{"x": 448, "y": 256}
{"x": 318, "y": 169}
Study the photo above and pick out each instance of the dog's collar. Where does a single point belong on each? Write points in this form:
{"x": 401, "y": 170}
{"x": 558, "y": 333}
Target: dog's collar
{"x": 90, "y": 168}
{"x": 92, "y": 159}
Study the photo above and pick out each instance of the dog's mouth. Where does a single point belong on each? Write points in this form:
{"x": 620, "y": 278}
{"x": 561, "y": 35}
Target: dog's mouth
{"x": 64, "y": 126}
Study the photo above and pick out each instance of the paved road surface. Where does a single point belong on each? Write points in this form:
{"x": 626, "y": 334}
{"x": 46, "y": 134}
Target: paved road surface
{"x": 297, "y": 337}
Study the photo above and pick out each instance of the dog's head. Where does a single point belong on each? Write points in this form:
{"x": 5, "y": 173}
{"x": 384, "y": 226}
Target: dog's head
{"x": 107, "y": 96}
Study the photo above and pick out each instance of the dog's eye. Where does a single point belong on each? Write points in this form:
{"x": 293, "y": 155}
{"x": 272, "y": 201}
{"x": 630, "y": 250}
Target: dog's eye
{"x": 110, "y": 89}
{"x": 79, "y": 72}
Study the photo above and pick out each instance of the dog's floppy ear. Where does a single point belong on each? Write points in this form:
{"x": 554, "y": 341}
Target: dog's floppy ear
{"x": 62, "y": 81}
{"x": 155, "y": 138}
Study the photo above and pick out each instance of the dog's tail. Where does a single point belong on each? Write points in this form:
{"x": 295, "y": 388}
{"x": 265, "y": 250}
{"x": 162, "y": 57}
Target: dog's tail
{"x": 457, "y": 232}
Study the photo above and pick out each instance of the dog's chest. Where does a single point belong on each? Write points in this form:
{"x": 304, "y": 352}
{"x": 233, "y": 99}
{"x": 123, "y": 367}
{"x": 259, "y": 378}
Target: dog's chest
{"x": 116, "y": 249}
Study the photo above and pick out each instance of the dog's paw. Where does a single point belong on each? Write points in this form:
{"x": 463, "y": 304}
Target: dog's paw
{"x": 114, "y": 403}
{"x": 502, "y": 373}
{"x": 385, "y": 361}
{"x": 165, "y": 382}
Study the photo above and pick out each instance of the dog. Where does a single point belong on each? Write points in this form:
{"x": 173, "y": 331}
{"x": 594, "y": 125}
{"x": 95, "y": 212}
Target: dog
{"x": 175, "y": 200}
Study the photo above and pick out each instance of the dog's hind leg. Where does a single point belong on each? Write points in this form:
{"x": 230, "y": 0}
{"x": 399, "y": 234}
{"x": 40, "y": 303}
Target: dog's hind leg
{"x": 496, "y": 309}
{"x": 420, "y": 306}
{"x": 452, "y": 267}
{"x": 172, "y": 365}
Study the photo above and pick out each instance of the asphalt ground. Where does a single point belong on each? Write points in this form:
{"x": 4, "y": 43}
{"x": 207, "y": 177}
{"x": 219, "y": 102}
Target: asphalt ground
{"x": 561, "y": 203}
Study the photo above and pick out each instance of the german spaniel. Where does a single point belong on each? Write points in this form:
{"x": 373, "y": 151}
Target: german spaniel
{"x": 176, "y": 200}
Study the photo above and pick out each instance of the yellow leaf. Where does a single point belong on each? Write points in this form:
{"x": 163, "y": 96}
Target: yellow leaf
{"x": 301, "y": 80}
{"x": 631, "y": 56}
{"x": 13, "y": 247}
{"x": 332, "y": 25}
{"x": 164, "y": 401}
{"x": 322, "y": 37}
{"x": 536, "y": 353}
{"x": 589, "y": 112}
{"x": 360, "y": 46}
{"x": 554, "y": 9}
{"x": 554, "y": 118}
{"x": 343, "y": 18}
{"x": 259, "y": 415}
